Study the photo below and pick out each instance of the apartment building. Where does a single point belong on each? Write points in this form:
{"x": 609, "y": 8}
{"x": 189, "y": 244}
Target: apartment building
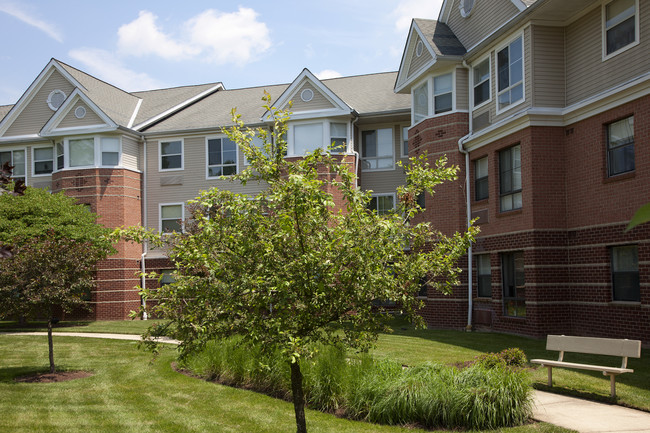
{"x": 542, "y": 104}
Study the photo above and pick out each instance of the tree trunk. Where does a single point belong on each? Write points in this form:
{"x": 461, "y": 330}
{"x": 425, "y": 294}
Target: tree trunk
{"x": 298, "y": 397}
{"x": 50, "y": 344}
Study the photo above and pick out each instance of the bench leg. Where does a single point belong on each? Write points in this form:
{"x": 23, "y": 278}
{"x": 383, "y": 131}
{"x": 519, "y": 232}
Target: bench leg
{"x": 612, "y": 381}
{"x": 550, "y": 376}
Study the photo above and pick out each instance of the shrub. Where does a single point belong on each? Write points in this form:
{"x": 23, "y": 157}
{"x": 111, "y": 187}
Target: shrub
{"x": 513, "y": 357}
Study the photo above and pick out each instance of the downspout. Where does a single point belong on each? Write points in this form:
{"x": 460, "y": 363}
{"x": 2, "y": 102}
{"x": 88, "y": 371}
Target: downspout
{"x": 356, "y": 154}
{"x": 145, "y": 245}
{"x": 468, "y": 197}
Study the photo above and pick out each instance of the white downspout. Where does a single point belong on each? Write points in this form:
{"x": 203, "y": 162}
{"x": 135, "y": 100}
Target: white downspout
{"x": 145, "y": 246}
{"x": 468, "y": 198}
{"x": 358, "y": 156}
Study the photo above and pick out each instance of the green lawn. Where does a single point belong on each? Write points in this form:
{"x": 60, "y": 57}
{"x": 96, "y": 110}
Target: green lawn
{"x": 111, "y": 326}
{"x": 128, "y": 393}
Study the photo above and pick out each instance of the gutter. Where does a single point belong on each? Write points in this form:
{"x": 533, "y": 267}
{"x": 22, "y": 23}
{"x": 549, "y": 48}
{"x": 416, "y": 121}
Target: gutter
{"x": 461, "y": 149}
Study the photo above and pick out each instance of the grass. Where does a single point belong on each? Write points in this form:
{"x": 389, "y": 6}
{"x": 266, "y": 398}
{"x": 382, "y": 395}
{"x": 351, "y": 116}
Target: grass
{"x": 128, "y": 393}
{"x": 108, "y": 326}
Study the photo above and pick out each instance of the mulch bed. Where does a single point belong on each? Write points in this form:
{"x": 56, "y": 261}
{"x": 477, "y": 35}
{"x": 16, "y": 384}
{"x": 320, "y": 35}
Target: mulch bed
{"x": 60, "y": 376}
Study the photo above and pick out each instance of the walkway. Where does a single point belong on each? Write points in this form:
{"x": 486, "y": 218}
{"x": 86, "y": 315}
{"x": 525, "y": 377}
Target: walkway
{"x": 569, "y": 412}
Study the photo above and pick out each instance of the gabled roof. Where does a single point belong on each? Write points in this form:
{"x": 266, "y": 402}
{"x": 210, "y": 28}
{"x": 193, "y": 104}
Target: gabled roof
{"x": 53, "y": 126}
{"x": 4, "y": 109}
{"x": 445, "y": 9}
{"x": 440, "y": 38}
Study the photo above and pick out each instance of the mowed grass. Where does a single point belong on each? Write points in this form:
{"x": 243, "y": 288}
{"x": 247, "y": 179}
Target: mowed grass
{"x": 129, "y": 393}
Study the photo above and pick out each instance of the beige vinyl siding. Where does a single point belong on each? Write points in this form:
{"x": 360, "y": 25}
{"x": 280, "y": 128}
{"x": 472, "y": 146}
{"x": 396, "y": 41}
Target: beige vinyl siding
{"x": 416, "y": 62}
{"x": 184, "y": 185}
{"x": 547, "y": 72}
{"x": 385, "y": 181}
{"x": 486, "y": 17}
{"x": 587, "y": 74}
{"x": 462, "y": 89}
{"x": 319, "y": 102}
{"x": 36, "y": 113}
{"x": 70, "y": 120}
{"x": 130, "y": 153}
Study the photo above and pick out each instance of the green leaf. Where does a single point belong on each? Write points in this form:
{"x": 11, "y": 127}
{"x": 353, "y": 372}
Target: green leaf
{"x": 640, "y": 217}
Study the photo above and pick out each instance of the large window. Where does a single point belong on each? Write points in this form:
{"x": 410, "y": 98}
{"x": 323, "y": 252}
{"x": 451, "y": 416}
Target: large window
{"x": 433, "y": 96}
{"x": 484, "y": 275}
{"x": 171, "y": 155}
{"x": 222, "y": 157}
{"x": 82, "y": 152}
{"x": 514, "y": 284}
{"x": 338, "y": 137}
{"x": 443, "y": 93}
{"x": 383, "y": 204}
{"x": 17, "y": 159}
{"x": 481, "y": 76}
{"x": 510, "y": 178}
{"x": 377, "y": 149}
{"x": 110, "y": 148}
{"x": 88, "y": 152}
{"x": 620, "y": 146}
{"x": 171, "y": 216}
{"x": 620, "y": 25}
{"x": 481, "y": 186}
{"x": 43, "y": 160}
{"x": 307, "y": 138}
{"x": 510, "y": 78}
{"x": 625, "y": 273}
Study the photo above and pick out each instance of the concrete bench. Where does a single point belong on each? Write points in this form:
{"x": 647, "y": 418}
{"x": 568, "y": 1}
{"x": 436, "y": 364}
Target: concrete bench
{"x": 594, "y": 346}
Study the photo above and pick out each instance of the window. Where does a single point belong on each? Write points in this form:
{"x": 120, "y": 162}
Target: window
{"x": 484, "y": 276}
{"x": 171, "y": 216}
{"x": 43, "y": 159}
{"x": 17, "y": 159}
{"x": 481, "y": 190}
{"x": 166, "y": 277}
{"x": 222, "y": 157}
{"x": 620, "y": 146}
{"x": 383, "y": 204}
{"x": 625, "y": 274}
{"x": 510, "y": 178}
{"x": 405, "y": 142}
{"x": 60, "y": 160}
{"x": 510, "y": 66}
{"x": 466, "y": 7}
{"x": 421, "y": 102}
{"x": 82, "y": 152}
{"x": 307, "y": 138}
{"x": 110, "y": 148}
{"x": 620, "y": 25}
{"x": 514, "y": 289}
{"x": 481, "y": 76}
{"x": 338, "y": 137}
{"x": 171, "y": 155}
{"x": 443, "y": 93}
{"x": 377, "y": 149}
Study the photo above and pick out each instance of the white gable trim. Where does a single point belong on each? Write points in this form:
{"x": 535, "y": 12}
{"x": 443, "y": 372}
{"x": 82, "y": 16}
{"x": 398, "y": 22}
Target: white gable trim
{"x": 341, "y": 108}
{"x": 32, "y": 90}
{"x": 519, "y": 5}
{"x": 135, "y": 113}
{"x": 50, "y": 128}
{"x": 403, "y": 73}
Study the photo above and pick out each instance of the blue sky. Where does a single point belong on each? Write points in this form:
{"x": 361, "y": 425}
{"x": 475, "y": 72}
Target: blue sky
{"x": 140, "y": 45}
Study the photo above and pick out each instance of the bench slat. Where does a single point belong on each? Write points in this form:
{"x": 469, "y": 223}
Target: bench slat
{"x": 594, "y": 346}
{"x": 548, "y": 362}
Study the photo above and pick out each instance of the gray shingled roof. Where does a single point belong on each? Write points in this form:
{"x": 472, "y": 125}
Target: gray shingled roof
{"x": 114, "y": 102}
{"x": 365, "y": 93}
{"x": 4, "y": 109}
{"x": 443, "y": 41}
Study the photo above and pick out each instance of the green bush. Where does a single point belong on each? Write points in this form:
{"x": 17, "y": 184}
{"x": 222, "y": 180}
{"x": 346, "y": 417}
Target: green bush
{"x": 513, "y": 357}
{"x": 486, "y": 395}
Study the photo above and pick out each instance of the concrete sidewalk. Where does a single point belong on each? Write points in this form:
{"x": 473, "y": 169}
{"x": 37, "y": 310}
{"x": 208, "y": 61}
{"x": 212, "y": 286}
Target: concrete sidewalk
{"x": 588, "y": 416}
{"x": 129, "y": 337}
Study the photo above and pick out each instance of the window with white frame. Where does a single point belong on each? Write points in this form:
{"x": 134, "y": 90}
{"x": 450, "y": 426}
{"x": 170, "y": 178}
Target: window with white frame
{"x": 307, "y": 137}
{"x": 171, "y": 155}
{"x": 171, "y": 217}
{"x": 338, "y": 137}
{"x": 81, "y": 152}
{"x": 43, "y": 160}
{"x": 510, "y": 178}
{"x": 421, "y": 102}
{"x": 110, "y": 148}
{"x": 510, "y": 73}
{"x": 405, "y": 142}
{"x": 620, "y": 146}
{"x": 377, "y": 150}
{"x": 620, "y": 25}
{"x": 60, "y": 156}
{"x": 383, "y": 204}
{"x": 443, "y": 93}
{"x": 481, "y": 81}
{"x": 258, "y": 142}
{"x": 18, "y": 160}
{"x": 222, "y": 157}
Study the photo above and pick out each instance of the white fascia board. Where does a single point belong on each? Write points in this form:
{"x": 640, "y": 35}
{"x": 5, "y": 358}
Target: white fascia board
{"x": 402, "y": 63}
{"x": 445, "y": 11}
{"x": 519, "y": 5}
{"x": 176, "y": 108}
{"x": 135, "y": 113}
{"x": 50, "y": 128}
{"x": 78, "y": 130}
{"x": 317, "y": 114}
{"x": 32, "y": 90}
{"x": 20, "y": 138}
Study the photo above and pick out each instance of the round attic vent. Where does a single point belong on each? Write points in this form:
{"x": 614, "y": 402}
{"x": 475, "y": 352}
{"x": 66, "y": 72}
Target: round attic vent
{"x": 466, "y": 7}
{"x": 419, "y": 48}
{"x": 55, "y": 99}
{"x": 307, "y": 95}
{"x": 80, "y": 112}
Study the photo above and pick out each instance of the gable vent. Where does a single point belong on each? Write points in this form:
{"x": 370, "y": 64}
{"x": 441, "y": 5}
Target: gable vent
{"x": 55, "y": 99}
{"x": 307, "y": 95}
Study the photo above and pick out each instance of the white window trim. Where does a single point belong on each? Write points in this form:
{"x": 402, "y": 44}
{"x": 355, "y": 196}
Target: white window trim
{"x": 160, "y": 219}
{"x": 387, "y": 194}
{"x": 429, "y": 81}
{"x": 34, "y": 148}
{"x": 362, "y": 157}
{"x": 453, "y": 94}
{"x": 523, "y": 73}
{"x": 473, "y": 107}
{"x": 325, "y": 122}
{"x": 401, "y": 147}
{"x": 431, "y": 96}
{"x": 207, "y": 157}
{"x": 604, "y": 31}
{"x": 167, "y": 140}
{"x": 13, "y": 149}
{"x": 97, "y": 143}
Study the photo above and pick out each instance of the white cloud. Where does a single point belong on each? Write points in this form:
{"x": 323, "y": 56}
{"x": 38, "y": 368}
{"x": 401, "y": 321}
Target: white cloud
{"x": 18, "y": 13}
{"x": 104, "y": 65}
{"x": 328, "y": 73}
{"x": 406, "y": 10}
{"x": 212, "y": 36}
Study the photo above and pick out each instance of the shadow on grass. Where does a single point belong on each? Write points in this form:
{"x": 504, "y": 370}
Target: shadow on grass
{"x": 14, "y": 326}
{"x": 8, "y": 374}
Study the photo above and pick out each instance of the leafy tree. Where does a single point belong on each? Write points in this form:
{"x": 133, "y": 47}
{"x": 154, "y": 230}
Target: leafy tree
{"x": 57, "y": 244}
{"x": 289, "y": 268}
{"x": 7, "y": 186}
{"x": 641, "y": 216}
